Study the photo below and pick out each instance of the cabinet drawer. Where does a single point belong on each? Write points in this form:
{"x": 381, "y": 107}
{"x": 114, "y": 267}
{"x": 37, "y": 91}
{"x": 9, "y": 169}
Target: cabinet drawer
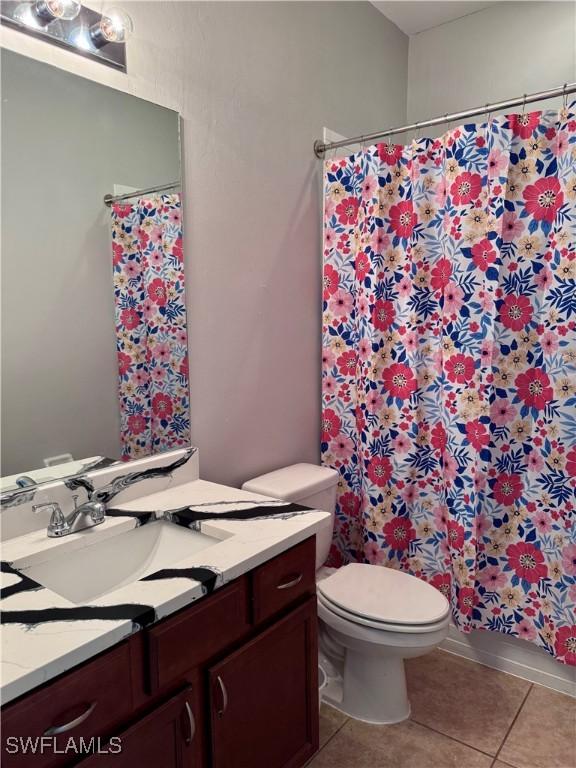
{"x": 283, "y": 580}
{"x": 86, "y": 702}
{"x": 197, "y": 634}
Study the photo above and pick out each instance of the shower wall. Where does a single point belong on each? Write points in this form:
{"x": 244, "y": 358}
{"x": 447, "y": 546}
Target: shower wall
{"x": 507, "y": 49}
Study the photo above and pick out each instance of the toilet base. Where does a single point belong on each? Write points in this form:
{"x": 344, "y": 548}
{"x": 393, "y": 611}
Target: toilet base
{"x": 372, "y": 690}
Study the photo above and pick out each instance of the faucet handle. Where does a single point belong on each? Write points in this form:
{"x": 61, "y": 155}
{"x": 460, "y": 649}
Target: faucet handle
{"x": 54, "y": 507}
{"x": 58, "y": 524}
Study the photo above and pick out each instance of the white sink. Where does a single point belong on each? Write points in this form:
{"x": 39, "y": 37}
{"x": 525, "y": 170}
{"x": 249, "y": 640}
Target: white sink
{"x": 102, "y": 567}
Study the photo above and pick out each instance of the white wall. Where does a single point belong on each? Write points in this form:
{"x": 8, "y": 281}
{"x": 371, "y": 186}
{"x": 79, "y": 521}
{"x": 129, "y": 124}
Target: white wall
{"x": 497, "y": 53}
{"x": 255, "y": 82}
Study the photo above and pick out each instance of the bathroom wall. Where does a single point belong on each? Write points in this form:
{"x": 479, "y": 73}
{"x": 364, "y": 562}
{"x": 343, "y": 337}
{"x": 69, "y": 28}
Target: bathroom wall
{"x": 500, "y": 52}
{"x": 65, "y": 143}
{"x": 256, "y": 83}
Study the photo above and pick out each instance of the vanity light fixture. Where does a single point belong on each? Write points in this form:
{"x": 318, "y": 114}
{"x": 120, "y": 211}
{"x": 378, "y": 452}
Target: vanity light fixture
{"x": 47, "y": 11}
{"x": 70, "y": 24}
{"x": 115, "y": 26}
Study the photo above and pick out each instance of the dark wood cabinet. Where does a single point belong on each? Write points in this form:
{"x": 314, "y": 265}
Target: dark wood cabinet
{"x": 283, "y": 581}
{"x": 162, "y": 739}
{"x": 264, "y": 697}
{"x": 197, "y": 634}
{"x": 227, "y": 682}
{"x": 87, "y": 702}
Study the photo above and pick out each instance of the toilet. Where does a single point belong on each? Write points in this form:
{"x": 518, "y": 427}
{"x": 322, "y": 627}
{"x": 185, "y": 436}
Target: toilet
{"x": 370, "y": 618}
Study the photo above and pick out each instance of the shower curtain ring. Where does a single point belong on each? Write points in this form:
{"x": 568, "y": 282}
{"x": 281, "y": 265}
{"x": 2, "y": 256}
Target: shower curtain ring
{"x": 488, "y": 123}
{"x": 524, "y": 103}
{"x": 565, "y": 96}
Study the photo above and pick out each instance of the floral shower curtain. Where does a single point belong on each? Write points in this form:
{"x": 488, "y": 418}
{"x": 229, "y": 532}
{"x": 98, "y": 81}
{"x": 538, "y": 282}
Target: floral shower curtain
{"x": 449, "y": 368}
{"x": 151, "y": 337}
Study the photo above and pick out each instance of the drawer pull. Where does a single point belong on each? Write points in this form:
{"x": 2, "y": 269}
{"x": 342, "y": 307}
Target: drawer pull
{"x": 224, "y": 693}
{"x": 56, "y": 729}
{"x": 191, "y": 724}
{"x": 291, "y": 583}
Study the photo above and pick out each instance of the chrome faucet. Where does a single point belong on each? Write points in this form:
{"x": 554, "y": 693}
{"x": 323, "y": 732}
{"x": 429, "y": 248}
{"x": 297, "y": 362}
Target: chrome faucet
{"x": 87, "y": 515}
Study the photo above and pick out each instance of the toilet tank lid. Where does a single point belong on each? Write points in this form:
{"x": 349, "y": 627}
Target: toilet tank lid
{"x": 294, "y": 482}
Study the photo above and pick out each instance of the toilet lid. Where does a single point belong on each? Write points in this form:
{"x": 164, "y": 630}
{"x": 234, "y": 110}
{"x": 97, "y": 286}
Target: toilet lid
{"x": 384, "y": 594}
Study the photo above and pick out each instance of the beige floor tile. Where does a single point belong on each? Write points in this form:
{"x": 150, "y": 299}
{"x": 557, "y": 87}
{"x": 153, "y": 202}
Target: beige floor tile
{"x": 330, "y": 721}
{"x": 465, "y": 700}
{"x": 544, "y": 735}
{"x": 407, "y": 745}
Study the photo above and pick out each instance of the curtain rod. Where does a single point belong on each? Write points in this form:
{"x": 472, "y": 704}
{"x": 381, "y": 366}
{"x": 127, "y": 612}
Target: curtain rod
{"x": 320, "y": 148}
{"x": 109, "y": 199}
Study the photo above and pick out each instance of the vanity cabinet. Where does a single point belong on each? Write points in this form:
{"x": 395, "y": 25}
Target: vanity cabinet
{"x": 86, "y": 702}
{"x": 263, "y": 697}
{"x": 162, "y": 739}
{"x": 227, "y": 682}
{"x": 197, "y": 634}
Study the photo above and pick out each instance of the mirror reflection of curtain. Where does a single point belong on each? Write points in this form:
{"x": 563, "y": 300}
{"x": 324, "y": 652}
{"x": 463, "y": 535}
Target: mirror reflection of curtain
{"x": 151, "y": 335}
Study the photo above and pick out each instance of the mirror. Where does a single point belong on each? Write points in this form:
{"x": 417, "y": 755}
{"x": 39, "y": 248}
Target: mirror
{"x": 94, "y": 346}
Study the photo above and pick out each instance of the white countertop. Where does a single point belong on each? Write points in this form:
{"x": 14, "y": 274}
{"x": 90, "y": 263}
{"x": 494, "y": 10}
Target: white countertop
{"x": 34, "y": 652}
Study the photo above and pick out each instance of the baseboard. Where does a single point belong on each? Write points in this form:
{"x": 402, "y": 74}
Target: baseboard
{"x": 514, "y": 656}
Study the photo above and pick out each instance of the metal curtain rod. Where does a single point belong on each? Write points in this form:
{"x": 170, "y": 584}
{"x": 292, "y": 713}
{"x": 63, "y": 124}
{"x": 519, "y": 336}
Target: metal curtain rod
{"x": 320, "y": 148}
{"x": 109, "y": 199}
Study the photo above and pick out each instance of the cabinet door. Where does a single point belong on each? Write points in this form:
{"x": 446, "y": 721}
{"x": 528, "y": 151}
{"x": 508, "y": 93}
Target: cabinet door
{"x": 162, "y": 739}
{"x": 264, "y": 697}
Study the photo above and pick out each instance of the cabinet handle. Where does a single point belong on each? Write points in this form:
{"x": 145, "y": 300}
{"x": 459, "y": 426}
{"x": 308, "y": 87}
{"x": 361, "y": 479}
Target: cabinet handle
{"x": 224, "y": 693}
{"x": 56, "y": 729}
{"x": 191, "y": 724}
{"x": 291, "y": 583}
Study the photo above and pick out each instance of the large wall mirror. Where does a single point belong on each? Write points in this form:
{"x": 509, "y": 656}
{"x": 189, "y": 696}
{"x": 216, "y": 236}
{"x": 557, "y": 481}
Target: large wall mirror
{"x": 94, "y": 346}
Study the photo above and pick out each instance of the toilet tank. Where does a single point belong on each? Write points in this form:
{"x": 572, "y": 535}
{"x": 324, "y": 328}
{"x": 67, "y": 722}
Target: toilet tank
{"x": 305, "y": 484}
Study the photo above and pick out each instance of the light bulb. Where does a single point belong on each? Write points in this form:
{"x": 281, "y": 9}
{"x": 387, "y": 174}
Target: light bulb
{"x": 115, "y": 26}
{"x": 63, "y": 10}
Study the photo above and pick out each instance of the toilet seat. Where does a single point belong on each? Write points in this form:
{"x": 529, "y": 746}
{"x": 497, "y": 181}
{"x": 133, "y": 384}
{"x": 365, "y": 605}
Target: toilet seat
{"x": 382, "y": 626}
{"x": 384, "y": 599}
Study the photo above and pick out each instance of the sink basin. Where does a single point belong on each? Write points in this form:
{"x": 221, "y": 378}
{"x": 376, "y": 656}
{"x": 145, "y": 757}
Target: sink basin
{"x": 88, "y": 573}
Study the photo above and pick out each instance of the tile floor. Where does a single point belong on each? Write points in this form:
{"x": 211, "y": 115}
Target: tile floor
{"x": 464, "y": 715}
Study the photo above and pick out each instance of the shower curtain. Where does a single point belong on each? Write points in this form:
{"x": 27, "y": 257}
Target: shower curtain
{"x": 449, "y": 368}
{"x": 151, "y": 337}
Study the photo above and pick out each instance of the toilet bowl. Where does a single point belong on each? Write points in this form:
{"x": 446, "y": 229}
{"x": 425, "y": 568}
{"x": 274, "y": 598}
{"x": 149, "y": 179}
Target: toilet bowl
{"x": 379, "y": 617}
{"x": 371, "y": 618}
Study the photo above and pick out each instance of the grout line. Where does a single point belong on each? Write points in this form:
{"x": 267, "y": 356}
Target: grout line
{"x": 452, "y": 738}
{"x": 447, "y": 736}
{"x": 520, "y": 708}
{"x": 330, "y": 738}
